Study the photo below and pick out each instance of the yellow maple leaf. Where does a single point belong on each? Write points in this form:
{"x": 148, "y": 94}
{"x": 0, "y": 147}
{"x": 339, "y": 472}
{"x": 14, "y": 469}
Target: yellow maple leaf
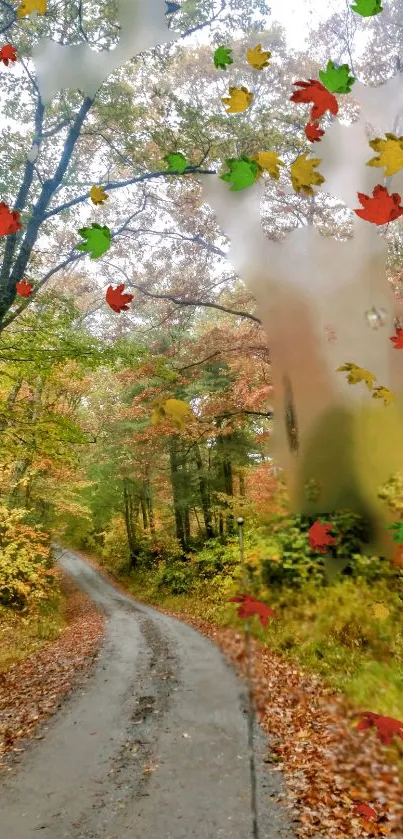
{"x": 98, "y": 194}
{"x": 357, "y": 374}
{"x": 303, "y": 176}
{"x": 380, "y": 611}
{"x": 28, "y": 7}
{"x": 238, "y": 100}
{"x": 270, "y": 162}
{"x": 176, "y": 410}
{"x": 383, "y": 393}
{"x": 390, "y": 153}
{"x": 257, "y": 57}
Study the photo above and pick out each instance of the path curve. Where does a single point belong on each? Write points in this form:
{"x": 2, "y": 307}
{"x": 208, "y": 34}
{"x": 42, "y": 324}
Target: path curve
{"x": 154, "y": 744}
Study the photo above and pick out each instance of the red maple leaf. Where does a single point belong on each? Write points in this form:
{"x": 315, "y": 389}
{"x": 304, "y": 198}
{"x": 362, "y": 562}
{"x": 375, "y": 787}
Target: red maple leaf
{"x": 381, "y": 208}
{"x": 116, "y": 299}
{"x": 319, "y": 537}
{"x": 386, "y": 727}
{"x": 250, "y": 607}
{"x": 24, "y": 288}
{"x": 314, "y": 91}
{"x": 313, "y": 132}
{"x": 397, "y": 339}
{"x": 363, "y": 809}
{"x": 9, "y": 221}
{"x": 8, "y": 53}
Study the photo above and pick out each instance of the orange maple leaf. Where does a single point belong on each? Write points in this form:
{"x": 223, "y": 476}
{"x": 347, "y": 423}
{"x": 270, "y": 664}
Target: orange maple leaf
{"x": 314, "y": 91}
{"x": 24, "y": 288}
{"x": 381, "y": 208}
{"x": 386, "y": 727}
{"x": 313, "y": 133}
{"x": 9, "y": 220}
{"x": 319, "y": 537}
{"x": 250, "y": 607}
{"x": 116, "y": 299}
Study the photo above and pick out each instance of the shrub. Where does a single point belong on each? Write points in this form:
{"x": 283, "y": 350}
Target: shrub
{"x": 293, "y": 563}
{"x": 177, "y": 577}
{"x": 25, "y": 561}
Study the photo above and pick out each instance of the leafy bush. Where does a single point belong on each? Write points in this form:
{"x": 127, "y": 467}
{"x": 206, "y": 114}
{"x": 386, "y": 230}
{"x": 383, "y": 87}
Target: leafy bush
{"x": 177, "y": 577}
{"x": 293, "y": 563}
{"x": 25, "y": 561}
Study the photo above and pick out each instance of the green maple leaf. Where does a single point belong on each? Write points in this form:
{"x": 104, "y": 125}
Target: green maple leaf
{"x": 98, "y": 240}
{"x": 398, "y": 531}
{"x": 176, "y": 162}
{"x": 337, "y": 79}
{"x": 243, "y": 172}
{"x": 222, "y": 57}
{"x": 367, "y": 8}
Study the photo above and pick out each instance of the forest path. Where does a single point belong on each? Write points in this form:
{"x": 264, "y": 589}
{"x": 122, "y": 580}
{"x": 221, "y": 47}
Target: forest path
{"x": 153, "y": 744}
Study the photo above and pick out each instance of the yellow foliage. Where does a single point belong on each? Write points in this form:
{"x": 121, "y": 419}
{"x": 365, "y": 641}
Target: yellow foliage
{"x": 25, "y": 560}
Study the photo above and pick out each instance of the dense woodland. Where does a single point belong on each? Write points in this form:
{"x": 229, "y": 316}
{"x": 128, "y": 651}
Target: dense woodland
{"x": 88, "y": 460}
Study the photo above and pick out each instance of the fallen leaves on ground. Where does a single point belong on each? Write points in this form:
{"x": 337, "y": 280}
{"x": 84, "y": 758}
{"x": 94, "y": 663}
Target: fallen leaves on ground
{"x": 31, "y": 690}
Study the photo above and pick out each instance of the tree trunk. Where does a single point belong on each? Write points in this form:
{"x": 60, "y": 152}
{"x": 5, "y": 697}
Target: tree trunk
{"x": 22, "y": 466}
{"x": 132, "y": 507}
{"x": 173, "y": 456}
{"x": 144, "y": 512}
{"x": 204, "y": 494}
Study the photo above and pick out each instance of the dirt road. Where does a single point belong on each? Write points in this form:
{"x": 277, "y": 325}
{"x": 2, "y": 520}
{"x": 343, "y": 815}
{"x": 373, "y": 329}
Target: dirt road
{"x": 154, "y": 744}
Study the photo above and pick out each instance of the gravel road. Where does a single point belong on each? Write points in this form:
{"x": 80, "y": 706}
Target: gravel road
{"x": 153, "y": 744}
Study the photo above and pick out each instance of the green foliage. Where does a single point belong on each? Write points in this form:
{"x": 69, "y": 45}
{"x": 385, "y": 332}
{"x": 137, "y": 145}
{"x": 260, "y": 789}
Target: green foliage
{"x": 176, "y": 577}
{"x": 294, "y": 563}
{"x": 25, "y": 561}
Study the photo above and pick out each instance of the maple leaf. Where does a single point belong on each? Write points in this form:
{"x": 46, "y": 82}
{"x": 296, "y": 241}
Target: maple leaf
{"x": 381, "y": 208}
{"x": 313, "y": 133}
{"x": 8, "y": 53}
{"x": 243, "y": 172}
{"x": 176, "y": 410}
{"x": 397, "y": 527}
{"x": 363, "y": 809}
{"x": 367, "y": 8}
{"x": 28, "y": 7}
{"x": 270, "y": 162}
{"x": 337, "y": 79}
{"x": 383, "y": 393}
{"x": 303, "y": 176}
{"x": 386, "y": 727}
{"x": 257, "y": 57}
{"x": 397, "y": 339}
{"x": 98, "y": 195}
{"x": 24, "y": 289}
{"x": 314, "y": 91}
{"x": 9, "y": 220}
{"x": 390, "y": 153}
{"x": 177, "y": 162}
{"x": 318, "y": 536}
{"x": 380, "y": 611}
{"x": 250, "y": 607}
{"x": 238, "y": 100}
{"x": 98, "y": 240}
{"x": 222, "y": 57}
{"x": 357, "y": 374}
{"x": 116, "y": 299}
